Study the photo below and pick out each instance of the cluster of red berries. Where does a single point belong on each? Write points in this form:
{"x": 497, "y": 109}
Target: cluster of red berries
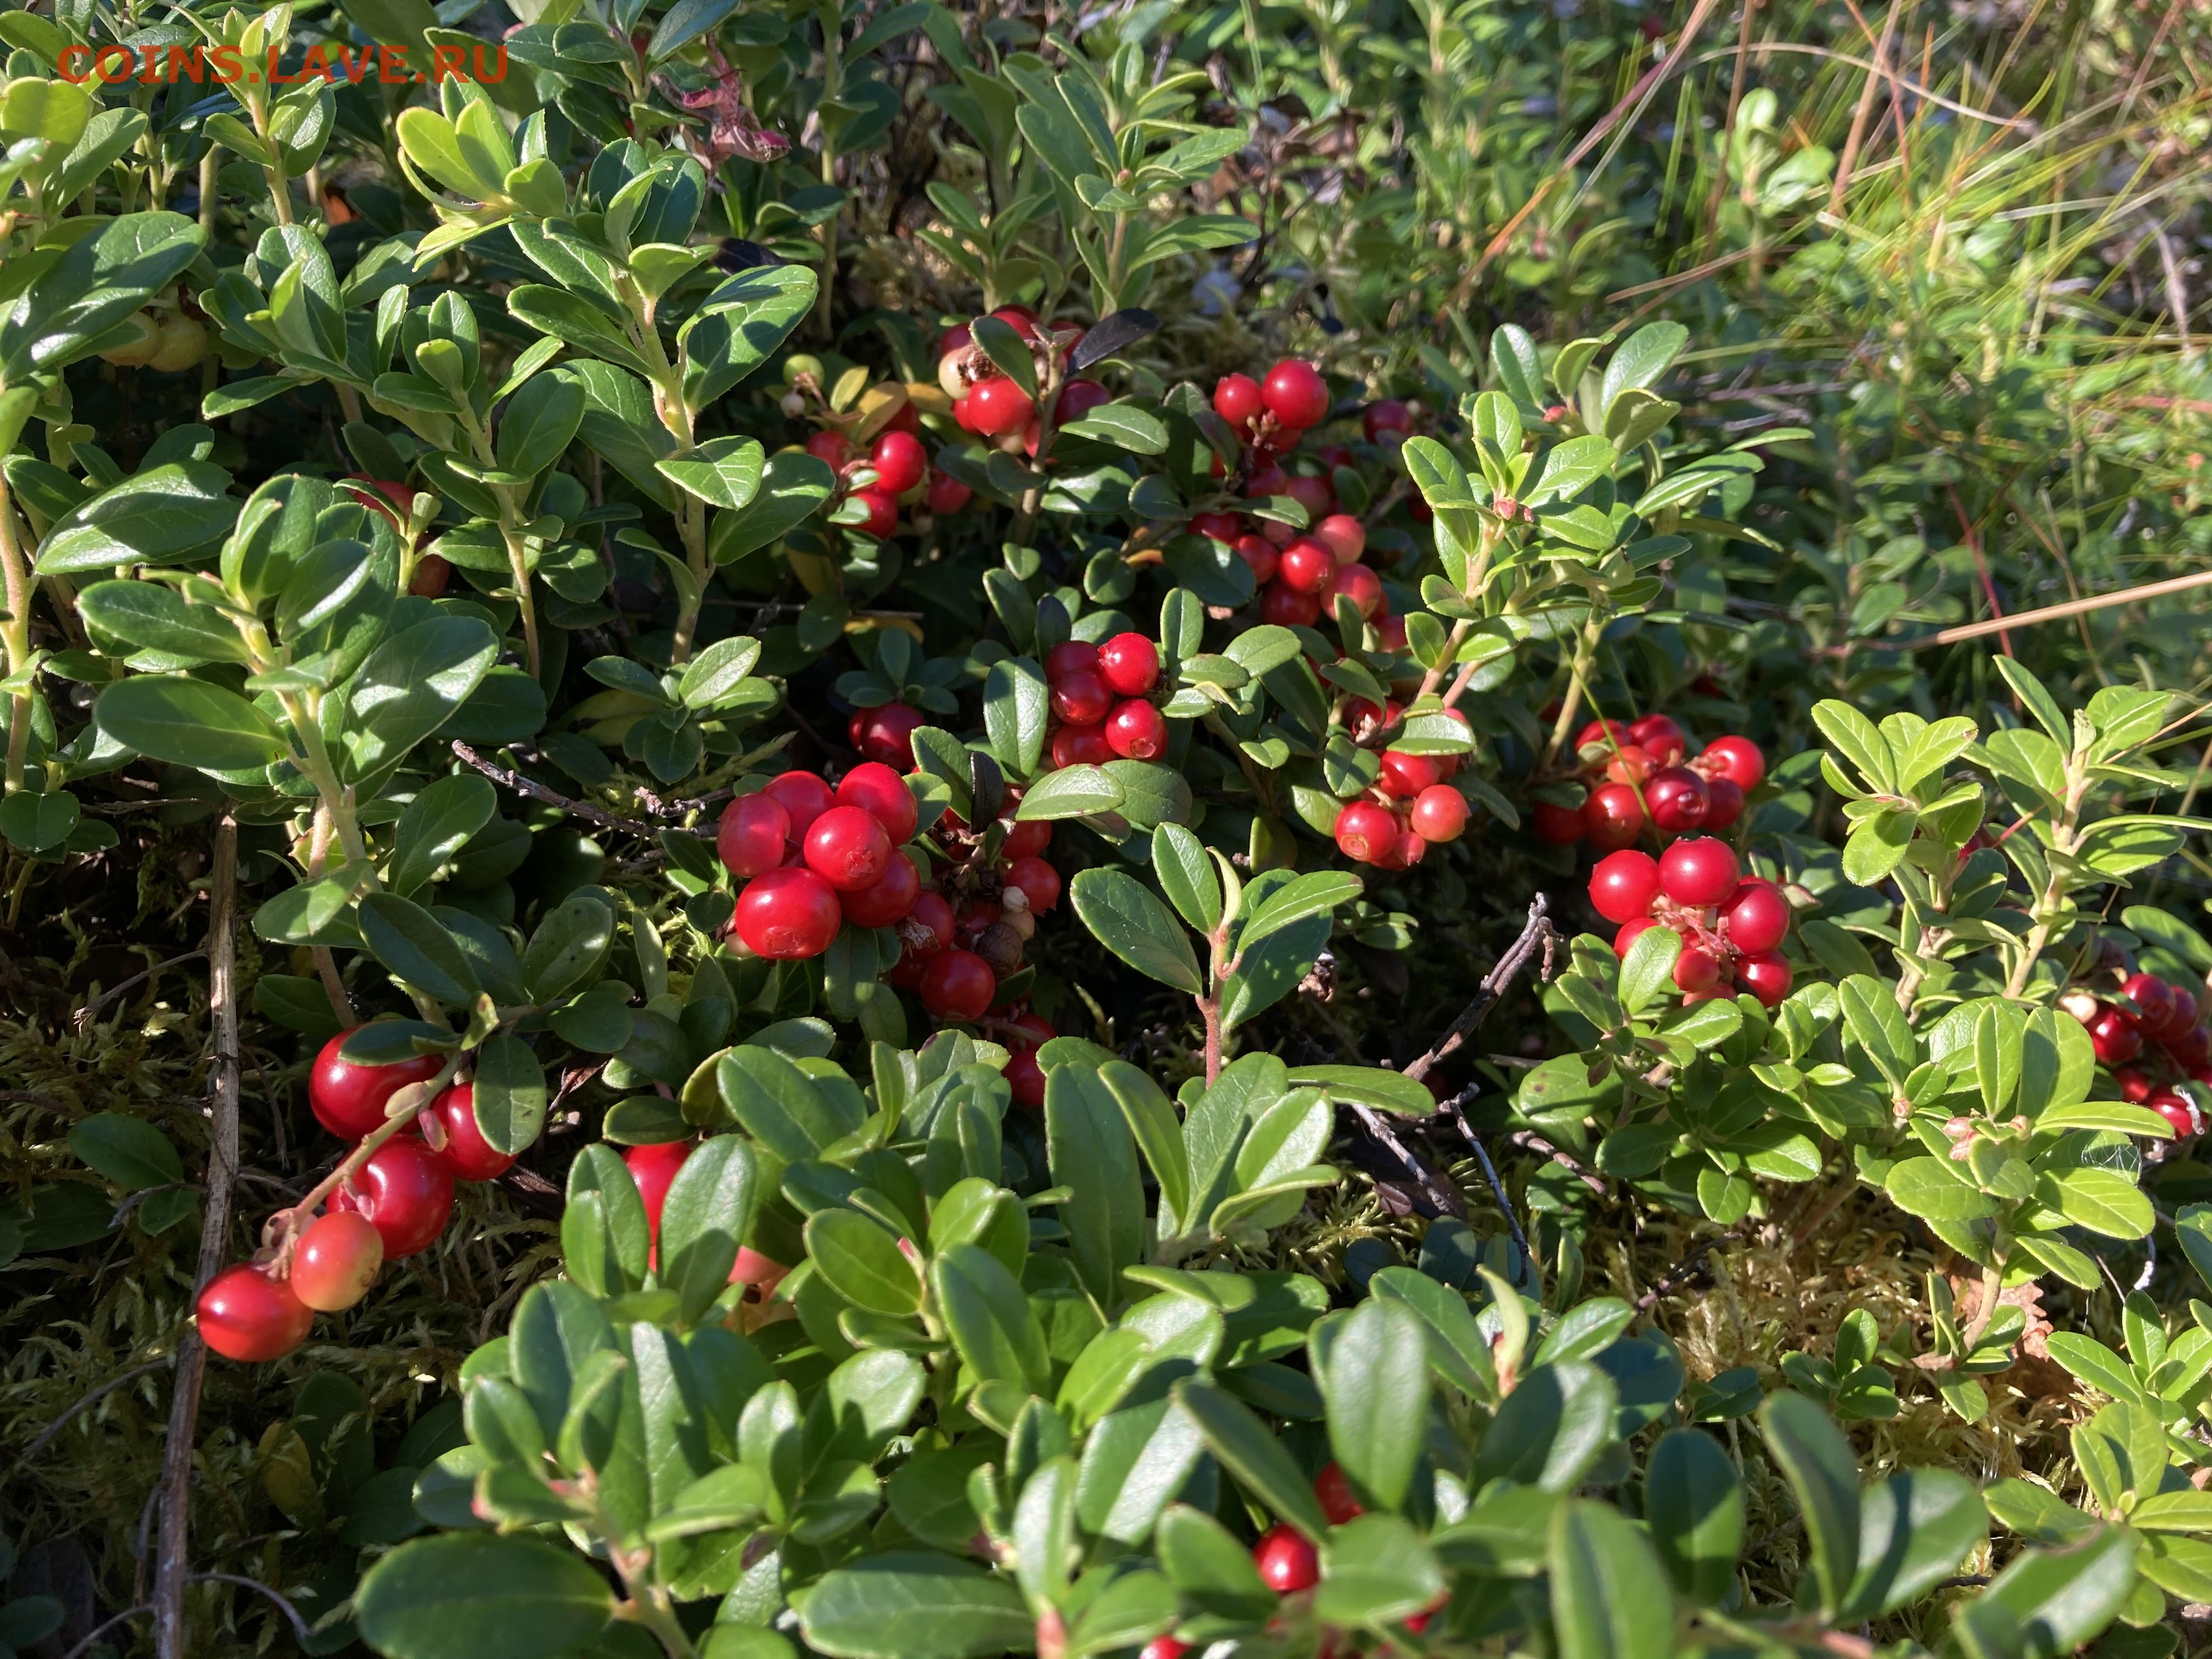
{"x": 394, "y": 1205}
{"x": 813, "y": 859}
{"x": 988, "y": 402}
{"x": 2159, "y": 1013}
{"x": 1731, "y": 925}
{"x": 1411, "y": 805}
{"x": 894, "y": 470}
{"x": 1640, "y": 773}
{"x": 1102, "y": 706}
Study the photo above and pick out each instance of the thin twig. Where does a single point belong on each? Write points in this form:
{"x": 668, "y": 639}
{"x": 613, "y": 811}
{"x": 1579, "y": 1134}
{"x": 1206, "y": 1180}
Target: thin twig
{"x": 1680, "y": 1273}
{"x": 508, "y": 779}
{"x": 292, "y": 1614}
{"x": 173, "y": 1571}
{"x": 46, "y": 1435}
{"x": 100, "y": 1630}
{"x": 1439, "y": 1193}
{"x": 2049, "y": 613}
{"x": 1529, "y": 1141}
{"x": 85, "y": 1015}
{"x": 1458, "y": 1107}
{"x": 1537, "y": 934}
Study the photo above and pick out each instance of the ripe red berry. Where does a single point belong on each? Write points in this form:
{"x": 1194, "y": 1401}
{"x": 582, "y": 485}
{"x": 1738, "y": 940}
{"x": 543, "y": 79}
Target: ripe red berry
{"x": 2184, "y": 1017}
{"x": 885, "y": 900}
{"x": 1439, "y": 813}
{"x": 1631, "y": 763}
{"x": 1131, "y": 663}
{"x": 1261, "y": 555}
{"x": 1078, "y": 399}
{"x": 1287, "y": 607}
{"x": 406, "y": 1193}
{"x": 931, "y": 917}
{"x": 1312, "y": 493}
{"x": 1699, "y": 871}
{"x": 466, "y": 1153}
{"x": 1661, "y": 737}
{"x": 432, "y": 573}
{"x": 1081, "y": 745}
{"x": 349, "y": 1099}
{"x": 1137, "y": 730}
{"x": 1723, "y": 802}
{"x": 245, "y": 1314}
{"x": 754, "y": 836}
{"x": 883, "y": 513}
{"x": 1343, "y": 535}
{"x": 883, "y": 734}
{"x": 2153, "y": 1001}
{"x": 1268, "y": 480}
{"x": 1384, "y": 418}
{"x": 1630, "y": 930}
{"x": 1026, "y": 1079}
{"x": 831, "y": 447}
{"x": 1624, "y": 885}
{"x": 1557, "y": 825}
{"x": 1757, "y": 915}
{"x": 1613, "y": 816}
{"x": 1362, "y": 587}
{"x": 2133, "y": 1085}
{"x": 882, "y": 793}
{"x": 848, "y": 848}
{"x": 336, "y": 1260}
{"x": 1611, "y": 734}
{"x": 2190, "y": 1050}
{"x": 1296, "y": 394}
{"x": 1236, "y": 399}
{"x": 1071, "y": 657}
{"x": 1081, "y": 696}
{"x": 1164, "y": 1647}
{"x": 1365, "y": 832}
{"x": 787, "y": 914}
{"x": 1766, "y": 977}
{"x": 1696, "y": 969}
{"x": 1737, "y": 759}
{"x": 1287, "y": 1559}
{"x": 803, "y": 797}
{"x": 946, "y": 493}
{"x": 1334, "y": 1491}
{"x": 1405, "y": 775}
{"x": 900, "y": 461}
{"x": 1026, "y": 838}
{"x": 957, "y": 985}
{"x": 997, "y": 406}
{"x": 2180, "y": 1113}
{"x": 1217, "y": 527}
{"x": 2114, "y": 1036}
{"x": 652, "y": 1167}
{"x": 1306, "y": 566}
{"x": 1675, "y": 797}
{"x": 1038, "y": 881}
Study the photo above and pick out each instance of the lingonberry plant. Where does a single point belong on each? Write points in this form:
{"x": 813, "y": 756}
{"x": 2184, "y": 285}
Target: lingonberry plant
{"x": 865, "y": 700}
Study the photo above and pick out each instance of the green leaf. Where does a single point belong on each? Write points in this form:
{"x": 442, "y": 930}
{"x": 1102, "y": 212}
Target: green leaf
{"x": 1376, "y": 1571}
{"x": 155, "y": 616}
{"x": 2049, "y": 1603}
{"x": 509, "y": 1091}
{"x": 1186, "y": 874}
{"x": 411, "y": 685}
{"x": 437, "y": 824}
{"x": 860, "y": 1260}
{"x": 1314, "y": 894}
{"x": 1152, "y": 1120}
{"x": 1369, "y": 1085}
{"x": 2103, "y": 1200}
{"x": 188, "y": 722}
{"x": 1070, "y": 792}
{"x": 1093, "y": 1153}
{"x": 567, "y": 948}
{"x": 915, "y": 1606}
{"x": 724, "y": 472}
{"x": 62, "y": 297}
{"x": 1694, "y": 1505}
{"x": 1915, "y": 1528}
{"x": 792, "y": 487}
{"x": 1122, "y": 914}
{"x": 1649, "y": 970}
{"x": 1374, "y": 1378}
{"x": 1251, "y": 1453}
{"x": 131, "y": 1153}
{"x": 1016, "y": 707}
{"x": 539, "y": 422}
{"x": 480, "y": 1596}
{"x": 990, "y": 1319}
{"x": 704, "y": 1218}
{"x": 416, "y": 947}
{"x": 1610, "y": 1598}
{"x": 1926, "y": 1186}
{"x": 1824, "y": 1474}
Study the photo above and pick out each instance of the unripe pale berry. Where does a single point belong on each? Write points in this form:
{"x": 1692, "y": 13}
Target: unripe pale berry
{"x": 1439, "y": 813}
{"x": 336, "y": 1261}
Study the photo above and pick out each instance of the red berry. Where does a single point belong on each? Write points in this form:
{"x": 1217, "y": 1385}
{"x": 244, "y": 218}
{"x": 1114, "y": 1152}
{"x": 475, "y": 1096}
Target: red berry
{"x": 336, "y": 1260}
{"x": 882, "y": 513}
{"x": 1723, "y": 802}
{"x": 406, "y": 1193}
{"x": 803, "y": 797}
{"x": 1610, "y": 733}
{"x": 1557, "y": 825}
{"x": 2133, "y": 1085}
{"x": 787, "y": 914}
{"x": 1757, "y": 915}
{"x": 1287, "y": 1559}
{"x": 432, "y": 573}
{"x": 1078, "y": 399}
{"x": 1026, "y": 1077}
{"x": 1391, "y": 631}
{"x": 1696, "y": 969}
{"x": 2180, "y": 1113}
{"x": 1366, "y": 832}
{"x": 1262, "y": 555}
{"x": 1404, "y": 775}
{"x": 1287, "y": 607}
{"x": 1137, "y": 730}
{"x": 882, "y": 793}
{"x": 2153, "y": 1001}
{"x": 1766, "y": 977}
{"x": 1268, "y": 480}
{"x": 885, "y": 734}
{"x": 1624, "y": 885}
{"x": 1131, "y": 663}
{"x": 2114, "y": 1036}
{"x": 997, "y": 406}
{"x": 1026, "y": 838}
{"x": 830, "y": 446}
{"x": 1662, "y": 737}
{"x": 1386, "y": 416}
{"x": 2184, "y": 1018}
{"x": 1071, "y": 657}
{"x": 1439, "y": 813}
{"x": 1699, "y": 871}
{"x": 2190, "y": 1050}
{"x": 957, "y": 985}
{"x": 1164, "y": 1647}
{"x": 1343, "y": 535}
{"x": 1237, "y": 400}
{"x": 946, "y": 493}
{"x": 887, "y": 899}
{"x": 848, "y": 848}
{"x": 1080, "y": 697}
{"x": 466, "y": 1153}
{"x": 1307, "y": 566}
{"x": 1675, "y": 797}
{"x": 931, "y": 914}
{"x": 245, "y": 1314}
{"x": 1312, "y": 493}
{"x": 1217, "y": 527}
{"x": 1081, "y": 745}
{"x": 900, "y": 461}
{"x": 349, "y": 1099}
{"x": 1630, "y": 930}
{"x": 1334, "y": 1491}
{"x": 1613, "y": 816}
{"x": 1362, "y": 587}
{"x": 1296, "y": 394}
{"x": 1631, "y": 763}
{"x": 652, "y": 1167}
{"x": 1039, "y": 882}
{"x": 755, "y": 835}
{"x": 1020, "y": 318}
{"x": 1737, "y": 759}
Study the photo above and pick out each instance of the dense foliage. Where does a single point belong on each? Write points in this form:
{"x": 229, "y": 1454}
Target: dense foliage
{"x": 911, "y": 831}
